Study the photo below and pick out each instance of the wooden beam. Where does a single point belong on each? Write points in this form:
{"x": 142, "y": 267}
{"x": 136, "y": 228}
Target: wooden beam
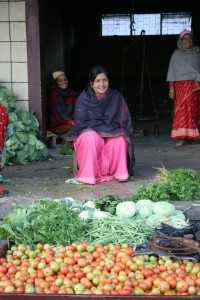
{"x": 36, "y": 102}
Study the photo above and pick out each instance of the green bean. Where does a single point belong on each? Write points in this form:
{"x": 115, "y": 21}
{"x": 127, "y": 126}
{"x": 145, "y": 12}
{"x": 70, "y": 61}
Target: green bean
{"x": 118, "y": 230}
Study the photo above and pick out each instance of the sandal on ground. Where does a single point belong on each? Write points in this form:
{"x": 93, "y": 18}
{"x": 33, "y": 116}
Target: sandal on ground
{"x": 73, "y": 181}
{"x": 180, "y": 143}
{"x": 122, "y": 180}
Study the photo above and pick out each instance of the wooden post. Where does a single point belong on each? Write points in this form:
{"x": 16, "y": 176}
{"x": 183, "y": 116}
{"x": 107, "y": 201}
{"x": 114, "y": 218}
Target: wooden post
{"x": 36, "y": 102}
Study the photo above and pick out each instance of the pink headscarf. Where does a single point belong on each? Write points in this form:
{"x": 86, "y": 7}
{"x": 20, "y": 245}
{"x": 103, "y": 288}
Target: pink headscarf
{"x": 184, "y": 32}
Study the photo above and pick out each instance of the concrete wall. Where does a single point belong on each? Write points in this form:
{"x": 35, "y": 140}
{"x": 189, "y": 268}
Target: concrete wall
{"x": 13, "y": 50}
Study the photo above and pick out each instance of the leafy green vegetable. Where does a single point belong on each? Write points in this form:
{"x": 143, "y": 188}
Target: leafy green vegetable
{"x": 154, "y": 192}
{"x": 182, "y": 184}
{"x": 179, "y": 184}
{"x": 66, "y": 150}
{"x": 144, "y": 208}
{"x": 108, "y": 203}
{"x": 164, "y": 208}
{"x": 126, "y": 209}
{"x": 154, "y": 221}
{"x": 44, "y": 221}
{"x": 22, "y": 143}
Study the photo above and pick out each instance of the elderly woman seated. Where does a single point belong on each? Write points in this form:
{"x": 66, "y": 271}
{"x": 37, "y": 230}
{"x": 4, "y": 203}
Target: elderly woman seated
{"x": 60, "y": 105}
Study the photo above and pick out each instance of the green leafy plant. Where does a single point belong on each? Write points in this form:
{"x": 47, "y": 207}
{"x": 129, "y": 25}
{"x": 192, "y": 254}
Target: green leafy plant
{"x": 44, "y": 221}
{"x": 108, "y": 203}
{"x": 22, "y": 143}
{"x": 154, "y": 192}
{"x": 66, "y": 149}
{"x": 178, "y": 184}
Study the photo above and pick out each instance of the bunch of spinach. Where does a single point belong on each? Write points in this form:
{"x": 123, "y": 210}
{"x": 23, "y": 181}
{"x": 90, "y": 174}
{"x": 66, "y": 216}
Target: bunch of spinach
{"x": 108, "y": 203}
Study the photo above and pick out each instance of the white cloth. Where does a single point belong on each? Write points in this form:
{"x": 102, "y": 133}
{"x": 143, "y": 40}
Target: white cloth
{"x": 56, "y": 74}
{"x": 184, "y": 64}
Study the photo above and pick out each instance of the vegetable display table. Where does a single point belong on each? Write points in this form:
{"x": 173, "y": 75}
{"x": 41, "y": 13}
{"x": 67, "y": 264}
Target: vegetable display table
{"x": 92, "y": 297}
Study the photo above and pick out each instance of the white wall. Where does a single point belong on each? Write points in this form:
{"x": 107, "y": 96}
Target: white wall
{"x": 13, "y": 49}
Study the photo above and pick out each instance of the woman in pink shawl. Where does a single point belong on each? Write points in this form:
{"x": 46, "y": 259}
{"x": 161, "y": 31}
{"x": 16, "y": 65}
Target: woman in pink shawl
{"x": 184, "y": 77}
{"x": 103, "y": 134}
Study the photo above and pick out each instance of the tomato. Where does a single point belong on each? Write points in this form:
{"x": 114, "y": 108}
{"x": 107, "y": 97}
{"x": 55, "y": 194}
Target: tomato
{"x": 164, "y": 286}
{"x": 126, "y": 292}
{"x": 12, "y": 270}
{"x": 87, "y": 283}
{"x": 54, "y": 289}
{"x": 172, "y": 281}
{"x": 59, "y": 282}
{"x": 9, "y": 289}
{"x": 63, "y": 270}
{"x": 79, "y": 288}
{"x": 75, "y": 280}
{"x": 20, "y": 290}
{"x": 55, "y": 267}
{"x": 182, "y": 286}
{"x": 69, "y": 261}
{"x": 192, "y": 290}
{"x": 197, "y": 282}
{"x": 79, "y": 275}
{"x": 147, "y": 272}
{"x": 40, "y": 273}
{"x": 155, "y": 291}
{"x": 82, "y": 262}
{"x": 50, "y": 279}
{"x": 3, "y": 269}
{"x": 138, "y": 292}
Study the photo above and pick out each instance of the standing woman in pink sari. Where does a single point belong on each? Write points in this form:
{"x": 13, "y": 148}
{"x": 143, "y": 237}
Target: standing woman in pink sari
{"x": 184, "y": 83}
{"x": 103, "y": 133}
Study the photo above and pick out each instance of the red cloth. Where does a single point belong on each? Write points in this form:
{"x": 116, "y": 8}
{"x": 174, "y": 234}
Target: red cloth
{"x": 171, "y": 85}
{"x": 187, "y": 111}
{"x": 60, "y": 108}
{"x": 4, "y": 120}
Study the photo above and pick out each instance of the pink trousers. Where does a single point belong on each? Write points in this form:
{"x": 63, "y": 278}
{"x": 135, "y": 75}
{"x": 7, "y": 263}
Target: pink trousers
{"x": 100, "y": 159}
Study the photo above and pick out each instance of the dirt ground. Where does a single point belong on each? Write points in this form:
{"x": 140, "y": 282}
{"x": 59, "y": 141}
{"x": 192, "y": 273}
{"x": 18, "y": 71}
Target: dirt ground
{"x": 47, "y": 178}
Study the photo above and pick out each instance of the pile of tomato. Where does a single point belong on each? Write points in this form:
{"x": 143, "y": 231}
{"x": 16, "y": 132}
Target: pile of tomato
{"x": 95, "y": 269}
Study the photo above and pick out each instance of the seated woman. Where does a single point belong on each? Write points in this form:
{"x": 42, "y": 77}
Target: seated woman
{"x": 60, "y": 105}
{"x": 4, "y": 120}
{"x": 103, "y": 133}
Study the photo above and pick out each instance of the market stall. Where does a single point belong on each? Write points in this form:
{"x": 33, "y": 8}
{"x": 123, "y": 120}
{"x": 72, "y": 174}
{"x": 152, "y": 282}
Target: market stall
{"x": 117, "y": 248}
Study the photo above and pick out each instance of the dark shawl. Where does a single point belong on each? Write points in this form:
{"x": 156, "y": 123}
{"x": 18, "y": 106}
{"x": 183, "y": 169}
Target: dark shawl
{"x": 108, "y": 116}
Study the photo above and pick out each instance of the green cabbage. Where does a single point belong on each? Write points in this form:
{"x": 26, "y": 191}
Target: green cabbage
{"x": 22, "y": 143}
{"x": 126, "y": 209}
{"x": 179, "y": 214}
{"x": 144, "y": 208}
{"x": 154, "y": 221}
{"x": 164, "y": 209}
